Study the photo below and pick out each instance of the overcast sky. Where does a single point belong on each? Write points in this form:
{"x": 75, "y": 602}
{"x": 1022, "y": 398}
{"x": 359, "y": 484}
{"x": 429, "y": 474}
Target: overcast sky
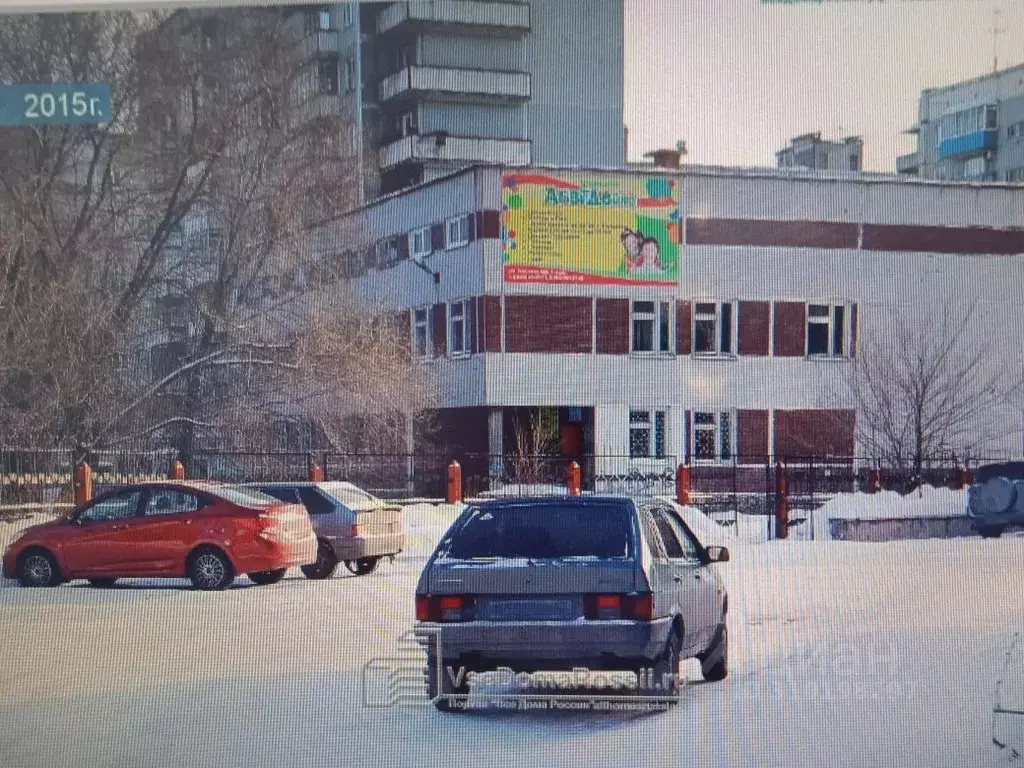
{"x": 738, "y": 78}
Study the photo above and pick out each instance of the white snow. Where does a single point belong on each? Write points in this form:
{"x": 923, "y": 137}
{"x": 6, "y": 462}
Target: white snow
{"x": 924, "y": 502}
{"x": 841, "y": 654}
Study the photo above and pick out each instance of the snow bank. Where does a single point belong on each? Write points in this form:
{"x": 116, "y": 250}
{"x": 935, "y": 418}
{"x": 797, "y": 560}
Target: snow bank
{"x": 425, "y": 524}
{"x": 925, "y": 502}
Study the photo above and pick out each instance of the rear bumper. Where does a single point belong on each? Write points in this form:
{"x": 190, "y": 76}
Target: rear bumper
{"x": 271, "y": 556}
{"x": 544, "y": 643}
{"x": 356, "y": 547}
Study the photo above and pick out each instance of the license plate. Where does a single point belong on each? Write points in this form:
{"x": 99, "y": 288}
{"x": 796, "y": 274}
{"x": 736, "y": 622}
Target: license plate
{"x": 531, "y": 610}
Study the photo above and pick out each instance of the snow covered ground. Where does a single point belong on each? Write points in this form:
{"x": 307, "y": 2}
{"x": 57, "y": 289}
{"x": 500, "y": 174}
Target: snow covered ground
{"x": 842, "y": 654}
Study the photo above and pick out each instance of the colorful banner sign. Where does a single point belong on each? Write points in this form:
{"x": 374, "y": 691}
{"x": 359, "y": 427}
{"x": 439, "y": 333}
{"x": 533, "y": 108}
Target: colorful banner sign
{"x": 590, "y": 229}
{"x": 54, "y": 103}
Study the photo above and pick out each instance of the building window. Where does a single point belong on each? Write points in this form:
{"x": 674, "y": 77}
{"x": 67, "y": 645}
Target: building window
{"x": 647, "y": 434}
{"x": 419, "y": 243}
{"x": 406, "y": 124}
{"x": 826, "y": 330}
{"x": 457, "y": 231}
{"x": 713, "y": 436}
{"x": 458, "y": 328}
{"x": 713, "y": 328}
{"x": 421, "y": 346}
{"x": 327, "y": 74}
{"x": 348, "y": 15}
{"x": 350, "y": 75}
{"x": 854, "y": 163}
{"x": 652, "y": 327}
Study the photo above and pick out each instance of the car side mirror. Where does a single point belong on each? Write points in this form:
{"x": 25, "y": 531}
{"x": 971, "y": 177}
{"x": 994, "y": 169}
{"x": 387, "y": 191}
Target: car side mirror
{"x": 718, "y": 555}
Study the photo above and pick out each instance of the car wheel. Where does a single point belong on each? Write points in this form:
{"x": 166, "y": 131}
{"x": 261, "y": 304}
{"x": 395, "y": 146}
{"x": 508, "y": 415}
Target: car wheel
{"x": 210, "y": 570}
{"x": 104, "y": 582}
{"x": 991, "y": 531}
{"x": 666, "y": 668}
{"x": 454, "y": 696}
{"x": 325, "y": 564}
{"x": 267, "y": 577}
{"x": 38, "y": 568}
{"x": 363, "y": 565}
{"x": 714, "y": 665}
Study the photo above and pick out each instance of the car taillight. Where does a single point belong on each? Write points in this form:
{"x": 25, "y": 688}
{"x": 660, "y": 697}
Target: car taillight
{"x": 270, "y": 527}
{"x": 355, "y": 529}
{"x": 443, "y": 607}
{"x": 609, "y": 607}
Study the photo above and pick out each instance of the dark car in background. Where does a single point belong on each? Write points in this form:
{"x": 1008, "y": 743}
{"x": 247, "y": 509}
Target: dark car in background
{"x": 995, "y": 500}
{"x": 352, "y": 526}
{"x": 547, "y": 584}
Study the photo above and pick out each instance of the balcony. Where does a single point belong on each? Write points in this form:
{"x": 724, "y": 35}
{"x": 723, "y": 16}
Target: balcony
{"x": 969, "y": 143}
{"x": 909, "y": 164}
{"x": 319, "y": 43}
{"x": 455, "y": 149}
{"x": 456, "y": 84}
{"x": 318, "y": 105}
{"x": 471, "y": 16}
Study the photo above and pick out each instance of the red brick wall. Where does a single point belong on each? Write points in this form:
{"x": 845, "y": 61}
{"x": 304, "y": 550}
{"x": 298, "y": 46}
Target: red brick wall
{"x": 562, "y": 324}
{"x": 790, "y": 328}
{"x": 817, "y": 433}
{"x": 752, "y": 436}
{"x": 683, "y": 328}
{"x": 766, "y": 232}
{"x": 754, "y": 327}
{"x": 440, "y": 330}
{"x": 491, "y": 323}
{"x": 891, "y": 237}
{"x": 612, "y": 326}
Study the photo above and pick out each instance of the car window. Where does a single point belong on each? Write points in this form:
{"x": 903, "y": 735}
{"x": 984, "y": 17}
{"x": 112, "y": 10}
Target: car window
{"x": 314, "y": 502}
{"x": 167, "y": 501}
{"x": 244, "y": 497}
{"x": 653, "y": 536}
{"x": 542, "y": 531}
{"x": 691, "y": 550}
{"x": 289, "y": 495}
{"x": 673, "y": 548}
{"x": 118, "y": 507}
{"x": 350, "y": 496}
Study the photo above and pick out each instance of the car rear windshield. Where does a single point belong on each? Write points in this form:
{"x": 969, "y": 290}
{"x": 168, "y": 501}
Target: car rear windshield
{"x": 245, "y": 497}
{"x": 547, "y": 531}
{"x": 351, "y": 496}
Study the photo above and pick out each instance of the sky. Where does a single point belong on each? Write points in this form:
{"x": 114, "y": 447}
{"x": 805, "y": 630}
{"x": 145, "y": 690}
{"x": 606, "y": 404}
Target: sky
{"x": 736, "y": 79}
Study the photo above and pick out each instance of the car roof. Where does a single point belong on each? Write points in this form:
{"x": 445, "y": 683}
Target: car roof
{"x": 577, "y": 501}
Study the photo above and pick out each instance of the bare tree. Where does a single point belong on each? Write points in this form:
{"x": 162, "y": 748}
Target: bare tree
{"x": 535, "y": 444}
{"x": 929, "y": 388}
{"x": 165, "y": 274}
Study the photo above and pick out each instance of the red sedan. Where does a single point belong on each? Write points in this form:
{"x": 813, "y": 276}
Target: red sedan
{"x": 207, "y": 532}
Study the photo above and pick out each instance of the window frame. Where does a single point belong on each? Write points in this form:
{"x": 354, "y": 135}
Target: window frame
{"x": 200, "y": 503}
{"x": 718, "y": 351}
{"x": 450, "y": 321}
{"x": 81, "y": 515}
{"x": 716, "y": 429}
{"x": 426, "y": 250}
{"x": 463, "y": 238}
{"x": 427, "y": 325}
{"x": 651, "y": 426}
{"x": 658, "y": 349}
{"x": 830, "y": 320}
{"x": 323, "y": 75}
{"x": 350, "y": 74}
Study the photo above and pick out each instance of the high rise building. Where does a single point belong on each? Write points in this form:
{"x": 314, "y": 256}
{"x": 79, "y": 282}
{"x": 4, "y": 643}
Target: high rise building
{"x": 809, "y": 150}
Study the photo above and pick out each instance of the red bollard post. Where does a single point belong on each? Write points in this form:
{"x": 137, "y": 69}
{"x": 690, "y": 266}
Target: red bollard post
{"x": 453, "y": 492}
{"x": 874, "y": 480}
{"x": 83, "y": 483}
{"x": 781, "y": 502}
{"x": 574, "y": 479}
{"x": 968, "y": 477}
{"x": 683, "y": 485}
{"x": 177, "y": 471}
{"x": 316, "y": 475}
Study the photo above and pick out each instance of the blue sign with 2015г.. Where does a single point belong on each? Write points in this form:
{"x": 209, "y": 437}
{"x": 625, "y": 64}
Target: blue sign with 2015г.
{"x": 54, "y": 103}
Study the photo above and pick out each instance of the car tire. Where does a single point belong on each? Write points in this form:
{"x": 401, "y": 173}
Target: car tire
{"x": 991, "y": 531}
{"x": 103, "y": 583}
{"x": 445, "y": 687}
{"x": 714, "y": 664}
{"x": 38, "y": 568}
{"x": 210, "y": 570}
{"x": 262, "y": 578}
{"x": 363, "y": 565}
{"x": 666, "y": 667}
{"x": 325, "y": 565}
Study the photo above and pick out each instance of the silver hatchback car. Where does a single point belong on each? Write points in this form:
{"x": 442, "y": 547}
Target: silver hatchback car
{"x": 602, "y": 583}
{"x": 352, "y": 526}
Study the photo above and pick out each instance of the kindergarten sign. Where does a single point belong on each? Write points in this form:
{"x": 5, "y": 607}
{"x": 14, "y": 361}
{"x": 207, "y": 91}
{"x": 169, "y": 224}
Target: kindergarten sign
{"x": 600, "y": 230}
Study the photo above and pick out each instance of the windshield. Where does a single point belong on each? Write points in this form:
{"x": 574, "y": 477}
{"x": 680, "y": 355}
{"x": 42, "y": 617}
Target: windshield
{"x": 547, "y": 531}
{"x": 351, "y": 496}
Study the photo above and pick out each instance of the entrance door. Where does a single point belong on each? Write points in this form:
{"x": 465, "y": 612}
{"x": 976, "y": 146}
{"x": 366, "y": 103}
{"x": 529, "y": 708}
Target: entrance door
{"x": 571, "y": 439}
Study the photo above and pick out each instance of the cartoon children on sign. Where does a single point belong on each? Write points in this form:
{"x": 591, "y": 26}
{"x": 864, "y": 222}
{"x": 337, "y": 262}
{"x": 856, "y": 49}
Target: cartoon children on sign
{"x": 643, "y": 254}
